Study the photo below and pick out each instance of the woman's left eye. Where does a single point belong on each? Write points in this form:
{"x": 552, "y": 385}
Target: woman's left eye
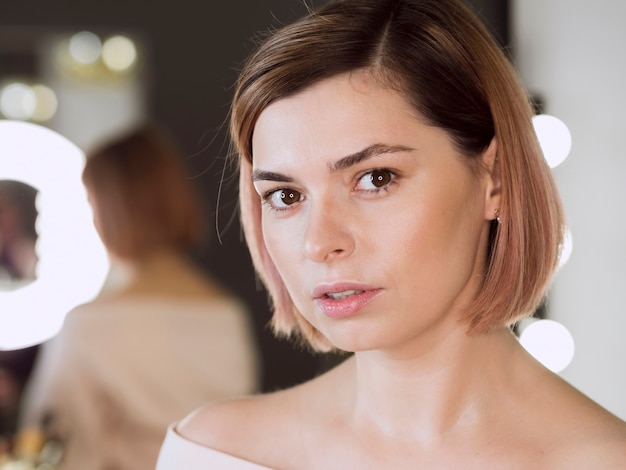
{"x": 375, "y": 180}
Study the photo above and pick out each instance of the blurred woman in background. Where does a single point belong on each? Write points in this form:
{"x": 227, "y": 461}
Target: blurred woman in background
{"x": 161, "y": 339}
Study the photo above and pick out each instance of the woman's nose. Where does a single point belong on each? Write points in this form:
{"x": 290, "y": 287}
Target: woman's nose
{"x": 328, "y": 235}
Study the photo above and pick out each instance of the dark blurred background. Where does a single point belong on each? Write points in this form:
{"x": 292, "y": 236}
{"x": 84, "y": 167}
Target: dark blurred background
{"x": 192, "y": 51}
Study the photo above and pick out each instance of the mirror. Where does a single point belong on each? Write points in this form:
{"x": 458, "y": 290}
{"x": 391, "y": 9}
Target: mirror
{"x": 18, "y": 235}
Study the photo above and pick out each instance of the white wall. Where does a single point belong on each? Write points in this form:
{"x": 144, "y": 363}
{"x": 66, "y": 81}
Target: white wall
{"x": 572, "y": 53}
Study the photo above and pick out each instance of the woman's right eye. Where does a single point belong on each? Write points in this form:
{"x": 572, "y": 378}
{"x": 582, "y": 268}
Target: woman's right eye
{"x": 282, "y": 198}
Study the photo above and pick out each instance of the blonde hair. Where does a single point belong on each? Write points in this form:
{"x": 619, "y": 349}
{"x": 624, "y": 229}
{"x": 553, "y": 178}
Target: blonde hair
{"x": 443, "y": 60}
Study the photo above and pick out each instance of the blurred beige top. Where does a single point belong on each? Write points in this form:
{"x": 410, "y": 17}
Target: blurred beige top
{"x": 124, "y": 368}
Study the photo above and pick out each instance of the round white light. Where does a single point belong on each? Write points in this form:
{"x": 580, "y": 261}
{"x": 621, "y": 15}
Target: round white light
{"x": 554, "y": 137}
{"x": 85, "y": 47}
{"x": 17, "y": 101}
{"x": 566, "y": 248}
{"x": 73, "y": 262}
{"x": 549, "y": 342}
{"x": 119, "y": 53}
{"x": 46, "y": 103}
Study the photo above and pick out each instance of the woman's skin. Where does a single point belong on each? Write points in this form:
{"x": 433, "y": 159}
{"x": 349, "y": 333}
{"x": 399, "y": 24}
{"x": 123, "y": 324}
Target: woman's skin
{"x": 384, "y": 267}
{"x": 414, "y": 243}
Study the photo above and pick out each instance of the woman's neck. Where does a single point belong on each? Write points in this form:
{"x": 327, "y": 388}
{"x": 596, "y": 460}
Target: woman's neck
{"x": 431, "y": 395}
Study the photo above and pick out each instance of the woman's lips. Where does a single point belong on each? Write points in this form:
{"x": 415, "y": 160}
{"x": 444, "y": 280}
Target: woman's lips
{"x": 346, "y": 302}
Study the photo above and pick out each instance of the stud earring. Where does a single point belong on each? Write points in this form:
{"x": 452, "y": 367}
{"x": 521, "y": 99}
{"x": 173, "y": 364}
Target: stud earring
{"x": 497, "y": 211}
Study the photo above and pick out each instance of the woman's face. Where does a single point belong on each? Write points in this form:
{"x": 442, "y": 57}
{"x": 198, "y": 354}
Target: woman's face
{"x": 374, "y": 222}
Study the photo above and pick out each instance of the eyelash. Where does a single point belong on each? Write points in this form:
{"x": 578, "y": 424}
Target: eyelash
{"x": 266, "y": 198}
{"x": 392, "y": 179}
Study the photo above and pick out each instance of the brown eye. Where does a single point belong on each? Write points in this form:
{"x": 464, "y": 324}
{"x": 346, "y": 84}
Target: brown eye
{"x": 289, "y": 197}
{"x": 285, "y": 197}
{"x": 380, "y": 178}
{"x": 377, "y": 179}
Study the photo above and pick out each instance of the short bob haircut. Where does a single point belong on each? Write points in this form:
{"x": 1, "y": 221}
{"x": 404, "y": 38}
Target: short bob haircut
{"x": 141, "y": 194}
{"x": 443, "y": 60}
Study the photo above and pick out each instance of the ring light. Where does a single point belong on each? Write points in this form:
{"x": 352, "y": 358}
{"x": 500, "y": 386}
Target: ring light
{"x": 73, "y": 263}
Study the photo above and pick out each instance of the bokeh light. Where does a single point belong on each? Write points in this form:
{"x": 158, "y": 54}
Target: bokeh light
{"x": 566, "y": 248}
{"x": 119, "y": 53}
{"x": 85, "y": 47}
{"x": 554, "y": 137}
{"x": 17, "y": 101}
{"x": 46, "y": 103}
{"x": 24, "y": 102}
{"x": 549, "y": 342}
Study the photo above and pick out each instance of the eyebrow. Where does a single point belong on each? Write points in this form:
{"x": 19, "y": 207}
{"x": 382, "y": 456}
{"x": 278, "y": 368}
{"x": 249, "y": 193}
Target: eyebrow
{"x": 341, "y": 164}
{"x": 365, "y": 154}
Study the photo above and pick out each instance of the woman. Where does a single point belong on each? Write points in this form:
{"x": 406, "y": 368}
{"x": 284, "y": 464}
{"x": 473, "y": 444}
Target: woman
{"x": 396, "y": 204}
{"x": 162, "y": 339}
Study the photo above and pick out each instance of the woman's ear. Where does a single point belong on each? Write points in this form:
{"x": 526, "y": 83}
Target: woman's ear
{"x": 493, "y": 189}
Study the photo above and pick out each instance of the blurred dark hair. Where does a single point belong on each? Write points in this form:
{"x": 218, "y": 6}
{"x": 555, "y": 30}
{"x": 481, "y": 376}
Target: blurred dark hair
{"x": 21, "y": 199}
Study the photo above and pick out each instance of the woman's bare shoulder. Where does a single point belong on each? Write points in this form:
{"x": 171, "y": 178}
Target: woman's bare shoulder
{"x": 600, "y": 439}
{"x": 260, "y": 427}
{"x": 600, "y": 442}
{"x": 220, "y": 424}
{"x": 581, "y": 432}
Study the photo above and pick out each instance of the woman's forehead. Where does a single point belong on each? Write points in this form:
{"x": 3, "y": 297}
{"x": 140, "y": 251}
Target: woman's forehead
{"x": 342, "y": 110}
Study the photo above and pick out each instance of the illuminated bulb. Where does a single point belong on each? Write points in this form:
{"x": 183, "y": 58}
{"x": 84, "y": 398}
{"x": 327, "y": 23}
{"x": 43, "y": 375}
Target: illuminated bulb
{"x": 549, "y": 342}
{"x": 119, "y": 53}
{"x": 46, "y": 103}
{"x": 554, "y": 137}
{"x": 566, "y": 248}
{"x": 17, "y": 101}
{"x": 85, "y": 47}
